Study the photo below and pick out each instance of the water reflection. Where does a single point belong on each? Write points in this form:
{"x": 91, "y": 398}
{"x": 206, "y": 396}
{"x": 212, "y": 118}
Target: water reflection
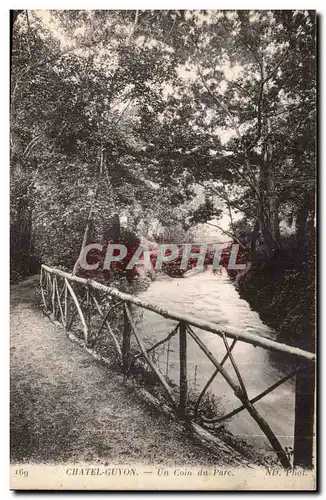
{"x": 215, "y": 298}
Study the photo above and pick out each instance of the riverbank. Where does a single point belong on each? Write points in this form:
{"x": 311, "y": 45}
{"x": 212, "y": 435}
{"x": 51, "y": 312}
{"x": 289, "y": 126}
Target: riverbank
{"x": 282, "y": 291}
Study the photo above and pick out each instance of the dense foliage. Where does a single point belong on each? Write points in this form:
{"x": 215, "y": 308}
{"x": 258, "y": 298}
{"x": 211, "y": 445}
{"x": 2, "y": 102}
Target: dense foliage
{"x": 128, "y": 113}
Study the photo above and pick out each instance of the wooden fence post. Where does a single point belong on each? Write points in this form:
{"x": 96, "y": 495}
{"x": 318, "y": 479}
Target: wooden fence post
{"x": 53, "y": 297}
{"x": 48, "y": 291}
{"x": 183, "y": 369}
{"x": 66, "y": 312}
{"x": 89, "y": 316}
{"x": 126, "y": 340}
{"x": 304, "y": 418}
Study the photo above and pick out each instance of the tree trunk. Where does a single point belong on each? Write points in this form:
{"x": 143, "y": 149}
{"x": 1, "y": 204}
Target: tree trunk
{"x": 274, "y": 221}
{"x": 267, "y": 202}
{"x": 85, "y": 237}
{"x": 86, "y": 231}
{"x": 268, "y": 241}
{"x": 253, "y": 240}
{"x": 113, "y": 231}
{"x": 301, "y": 220}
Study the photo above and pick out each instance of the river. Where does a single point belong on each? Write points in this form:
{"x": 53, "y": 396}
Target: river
{"x": 214, "y": 297}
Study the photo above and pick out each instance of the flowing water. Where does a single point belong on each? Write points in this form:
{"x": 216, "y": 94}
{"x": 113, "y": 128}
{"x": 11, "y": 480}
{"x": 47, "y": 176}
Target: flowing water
{"x": 214, "y": 298}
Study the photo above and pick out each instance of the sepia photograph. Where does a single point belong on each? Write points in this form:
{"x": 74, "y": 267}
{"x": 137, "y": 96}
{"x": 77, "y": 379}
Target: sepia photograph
{"x": 163, "y": 250}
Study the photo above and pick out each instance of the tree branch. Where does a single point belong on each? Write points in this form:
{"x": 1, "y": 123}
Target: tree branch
{"x": 227, "y": 232}
{"x": 220, "y": 104}
{"x": 133, "y": 28}
{"x": 225, "y": 197}
{"x": 268, "y": 77}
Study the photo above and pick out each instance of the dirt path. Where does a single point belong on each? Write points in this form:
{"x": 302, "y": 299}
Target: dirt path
{"x": 66, "y": 407}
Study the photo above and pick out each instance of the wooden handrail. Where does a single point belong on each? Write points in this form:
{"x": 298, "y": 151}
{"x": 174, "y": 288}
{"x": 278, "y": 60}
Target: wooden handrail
{"x": 303, "y": 440}
{"x": 234, "y": 333}
{"x": 264, "y": 426}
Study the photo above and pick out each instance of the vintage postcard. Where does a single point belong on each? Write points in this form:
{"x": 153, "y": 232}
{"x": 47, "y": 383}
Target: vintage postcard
{"x": 163, "y": 168}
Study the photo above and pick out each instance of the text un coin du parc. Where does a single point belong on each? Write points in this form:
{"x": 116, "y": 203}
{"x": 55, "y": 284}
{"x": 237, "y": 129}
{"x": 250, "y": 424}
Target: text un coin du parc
{"x": 132, "y": 471}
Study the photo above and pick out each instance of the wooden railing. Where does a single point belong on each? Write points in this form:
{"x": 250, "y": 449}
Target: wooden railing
{"x": 67, "y": 298}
